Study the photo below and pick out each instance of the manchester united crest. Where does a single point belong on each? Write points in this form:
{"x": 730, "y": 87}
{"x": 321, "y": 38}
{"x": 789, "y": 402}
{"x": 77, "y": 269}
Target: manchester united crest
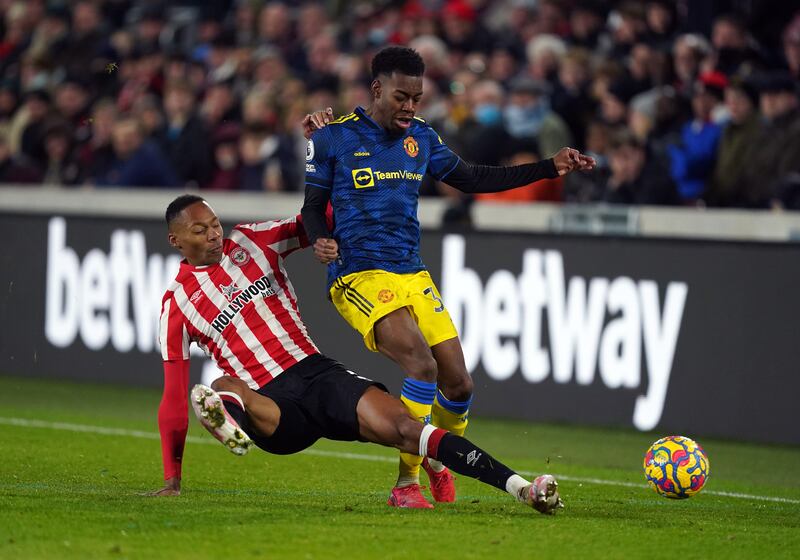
{"x": 240, "y": 256}
{"x": 411, "y": 146}
{"x": 385, "y": 296}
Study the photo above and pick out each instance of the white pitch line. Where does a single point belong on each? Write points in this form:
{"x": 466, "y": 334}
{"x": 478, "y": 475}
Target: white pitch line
{"x": 66, "y": 426}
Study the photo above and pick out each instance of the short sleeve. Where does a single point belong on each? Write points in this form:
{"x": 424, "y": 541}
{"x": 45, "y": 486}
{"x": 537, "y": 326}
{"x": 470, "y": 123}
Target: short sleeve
{"x": 320, "y": 160}
{"x": 442, "y": 160}
{"x": 173, "y": 335}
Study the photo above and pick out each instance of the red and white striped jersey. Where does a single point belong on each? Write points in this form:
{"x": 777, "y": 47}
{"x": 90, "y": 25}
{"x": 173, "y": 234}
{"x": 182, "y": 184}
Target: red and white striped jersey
{"x": 242, "y": 311}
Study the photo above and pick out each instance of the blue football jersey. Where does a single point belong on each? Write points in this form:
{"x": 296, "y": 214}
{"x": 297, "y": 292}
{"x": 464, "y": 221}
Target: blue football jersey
{"x": 374, "y": 179}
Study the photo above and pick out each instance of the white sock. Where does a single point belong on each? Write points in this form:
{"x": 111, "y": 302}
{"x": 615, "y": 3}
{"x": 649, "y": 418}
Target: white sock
{"x": 437, "y": 466}
{"x": 236, "y": 397}
{"x": 427, "y": 430}
{"x": 514, "y": 484}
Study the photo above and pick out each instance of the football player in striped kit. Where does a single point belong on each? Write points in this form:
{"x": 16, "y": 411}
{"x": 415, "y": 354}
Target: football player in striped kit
{"x": 233, "y": 298}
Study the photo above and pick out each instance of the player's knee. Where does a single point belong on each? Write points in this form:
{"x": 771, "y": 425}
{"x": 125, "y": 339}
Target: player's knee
{"x": 230, "y": 384}
{"x": 425, "y": 367}
{"x": 408, "y": 430}
{"x": 458, "y": 389}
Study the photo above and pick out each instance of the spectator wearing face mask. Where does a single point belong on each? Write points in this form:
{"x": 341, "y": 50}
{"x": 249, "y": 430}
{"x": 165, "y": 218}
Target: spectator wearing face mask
{"x": 482, "y": 137}
{"x": 528, "y": 115}
{"x": 734, "y": 49}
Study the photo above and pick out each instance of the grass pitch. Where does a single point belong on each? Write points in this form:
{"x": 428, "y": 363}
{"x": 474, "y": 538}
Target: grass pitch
{"x": 76, "y": 457}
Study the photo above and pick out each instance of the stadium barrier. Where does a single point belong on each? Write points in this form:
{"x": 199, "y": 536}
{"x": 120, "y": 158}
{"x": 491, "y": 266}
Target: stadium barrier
{"x": 689, "y": 336}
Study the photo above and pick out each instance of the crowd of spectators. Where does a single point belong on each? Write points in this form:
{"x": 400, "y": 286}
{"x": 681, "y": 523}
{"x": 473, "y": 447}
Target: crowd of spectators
{"x": 678, "y": 106}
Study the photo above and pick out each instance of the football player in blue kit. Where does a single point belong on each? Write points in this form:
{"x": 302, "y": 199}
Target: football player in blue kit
{"x": 369, "y": 166}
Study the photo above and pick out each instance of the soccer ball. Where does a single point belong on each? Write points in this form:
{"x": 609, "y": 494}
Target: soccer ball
{"x": 676, "y": 467}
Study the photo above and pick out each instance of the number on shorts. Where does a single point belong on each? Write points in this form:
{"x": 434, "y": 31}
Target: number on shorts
{"x": 440, "y": 307}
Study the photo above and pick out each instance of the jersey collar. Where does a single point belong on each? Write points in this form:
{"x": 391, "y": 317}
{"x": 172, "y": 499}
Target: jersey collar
{"x": 362, "y": 113}
{"x": 185, "y": 266}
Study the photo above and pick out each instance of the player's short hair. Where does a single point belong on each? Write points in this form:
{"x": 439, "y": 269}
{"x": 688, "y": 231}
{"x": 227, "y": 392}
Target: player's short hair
{"x": 397, "y": 59}
{"x": 176, "y": 206}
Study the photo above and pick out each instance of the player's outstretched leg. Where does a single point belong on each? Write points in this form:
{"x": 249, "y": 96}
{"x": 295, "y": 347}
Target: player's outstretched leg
{"x": 211, "y": 412}
{"x": 464, "y": 457}
{"x": 383, "y": 419}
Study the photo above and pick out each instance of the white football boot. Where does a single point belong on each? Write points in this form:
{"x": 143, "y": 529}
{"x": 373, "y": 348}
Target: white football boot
{"x": 210, "y": 410}
{"x": 542, "y": 494}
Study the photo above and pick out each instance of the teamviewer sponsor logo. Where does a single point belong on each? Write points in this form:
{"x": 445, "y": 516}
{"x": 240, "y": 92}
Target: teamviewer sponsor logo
{"x": 539, "y": 325}
{"x": 366, "y": 177}
{"x": 363, "y": 178}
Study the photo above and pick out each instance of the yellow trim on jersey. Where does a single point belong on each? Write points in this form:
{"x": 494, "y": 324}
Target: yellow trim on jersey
{"x": 345, "y": 118}
{"x": 419, "y": 119}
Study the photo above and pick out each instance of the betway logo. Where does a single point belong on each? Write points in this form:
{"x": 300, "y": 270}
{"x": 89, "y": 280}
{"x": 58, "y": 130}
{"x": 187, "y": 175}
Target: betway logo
{"x": 111, "y": 295}
{"x": 581, "y": 342}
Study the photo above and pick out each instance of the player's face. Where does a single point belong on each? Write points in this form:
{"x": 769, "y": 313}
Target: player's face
{"x": 396, "y": 100}
{"x": 197, "y": 234}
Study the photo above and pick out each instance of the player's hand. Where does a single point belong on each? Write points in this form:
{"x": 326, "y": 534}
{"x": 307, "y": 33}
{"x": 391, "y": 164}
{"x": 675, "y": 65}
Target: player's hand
{"x": 315, "y": 121}
{"x": 172, "y": 487}
{"x": 570, "y": 159}
{"x": 326, "y": 250}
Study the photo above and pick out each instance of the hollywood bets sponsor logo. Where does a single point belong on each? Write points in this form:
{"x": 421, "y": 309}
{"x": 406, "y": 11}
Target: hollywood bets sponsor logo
{"x": 238, "y": 298}
{"x": 605, "y": 326}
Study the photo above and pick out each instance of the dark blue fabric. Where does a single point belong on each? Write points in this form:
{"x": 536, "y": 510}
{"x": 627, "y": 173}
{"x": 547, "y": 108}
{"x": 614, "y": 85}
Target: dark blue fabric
{"x": 374, "y": 179}
{"x": 147, "y": 167}
{"x": 692, "y": 161}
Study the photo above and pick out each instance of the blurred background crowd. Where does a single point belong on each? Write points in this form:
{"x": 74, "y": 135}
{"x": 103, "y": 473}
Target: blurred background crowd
{"x": 681, "y": 102}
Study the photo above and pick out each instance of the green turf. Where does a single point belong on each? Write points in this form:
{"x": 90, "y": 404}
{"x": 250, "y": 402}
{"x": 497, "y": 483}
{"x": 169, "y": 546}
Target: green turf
{"x": 67, "y": 494}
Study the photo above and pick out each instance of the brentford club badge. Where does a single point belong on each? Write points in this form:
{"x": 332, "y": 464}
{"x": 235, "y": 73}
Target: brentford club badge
{"x": 240, "y": 256}
{"x": 411, "y": 146}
